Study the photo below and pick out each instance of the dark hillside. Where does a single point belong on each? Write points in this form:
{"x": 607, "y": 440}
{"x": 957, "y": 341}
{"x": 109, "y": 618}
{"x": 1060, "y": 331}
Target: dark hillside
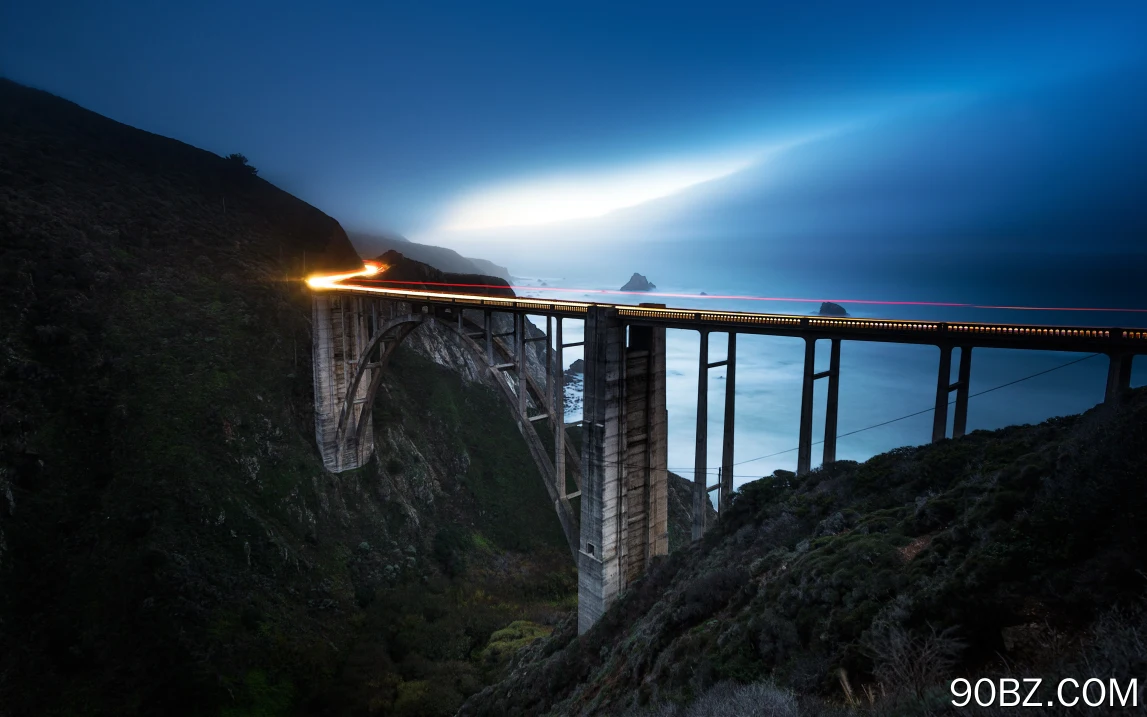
{"x": 402, "y": 272}
{"x": 155, "y": 369}
{"x": 438, "y": 257}
{"x": 169, "y": 541}
{"x": 1018, "y": 552}
{"x": 62, "y": 163}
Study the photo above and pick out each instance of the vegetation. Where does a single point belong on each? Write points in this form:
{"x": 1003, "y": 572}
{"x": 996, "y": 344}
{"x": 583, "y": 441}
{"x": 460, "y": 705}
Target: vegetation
{"x": 241, "y": 161}
{"x": 441, "y": 627}
{"x": 170, "y": 543}
{"x": 493, "y": 479}
{"x": 874, "y": 583}
{"x": 153, "y": 433}
{"x": 169, "y": 540}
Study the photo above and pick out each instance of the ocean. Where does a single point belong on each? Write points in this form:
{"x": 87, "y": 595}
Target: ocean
{"x": 878, "y": 382}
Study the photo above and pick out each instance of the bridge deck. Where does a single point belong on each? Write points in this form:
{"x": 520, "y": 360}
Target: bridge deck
{"x": 620, "y": 471}
{"x": 977, "y": 334}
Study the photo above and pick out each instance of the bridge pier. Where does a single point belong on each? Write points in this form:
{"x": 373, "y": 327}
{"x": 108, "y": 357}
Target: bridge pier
{"x": 624, "y": 498}
{"x": 488, "y": 319}
{"x": 944, "y": 388}
{"x": 558, "y": 399}
{"x": 701, "y": 448}
{"x": 520, "y": 355}
{"x": 804, "y": 444}
{"x": 726, "y": 483}
{"x": 341, "y": 335}
{"x": 621, "y": 474}
{"x": 960, "y": 420}
{"x": 1118, "y": 377}
{"x": 830, "y": 414}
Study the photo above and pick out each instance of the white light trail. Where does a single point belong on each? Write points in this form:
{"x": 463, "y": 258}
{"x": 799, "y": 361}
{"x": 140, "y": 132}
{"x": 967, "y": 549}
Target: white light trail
{"x": 331, "y": 281}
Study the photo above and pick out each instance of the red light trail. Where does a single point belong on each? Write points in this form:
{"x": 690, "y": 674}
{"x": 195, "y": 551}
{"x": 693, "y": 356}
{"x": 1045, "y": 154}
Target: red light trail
{"x": 738, "y": 297}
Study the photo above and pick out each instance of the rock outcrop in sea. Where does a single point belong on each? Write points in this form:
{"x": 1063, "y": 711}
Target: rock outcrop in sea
{"x": 574, "y": 386}
{"x": 638, "y": 282}
{"x": 828, "y": 308}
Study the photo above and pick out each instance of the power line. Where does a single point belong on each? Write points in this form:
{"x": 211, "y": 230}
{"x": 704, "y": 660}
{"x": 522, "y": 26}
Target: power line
{"x": 713, "y": 471}
{"x": 372, "y": 279}
{"x": 926, "y": 410}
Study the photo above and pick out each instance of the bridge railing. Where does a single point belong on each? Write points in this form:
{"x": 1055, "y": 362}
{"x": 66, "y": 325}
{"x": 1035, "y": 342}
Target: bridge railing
{"x": 625, "y": 356}
{"x": 894, "y": 329}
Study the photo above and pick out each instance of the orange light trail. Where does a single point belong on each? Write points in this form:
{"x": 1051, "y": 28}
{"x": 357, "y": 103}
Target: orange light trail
{"x": 370, "y": 269}
{"x": 331, "y": 281}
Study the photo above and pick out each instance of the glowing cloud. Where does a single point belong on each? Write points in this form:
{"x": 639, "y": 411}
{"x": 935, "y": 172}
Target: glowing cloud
{"x": 567, "y": 197}
{"x": 559, "y": 199}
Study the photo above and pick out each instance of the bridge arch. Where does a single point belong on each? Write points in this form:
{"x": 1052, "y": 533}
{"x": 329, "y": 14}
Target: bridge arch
{"x": 624, "y": 465}
{"x": 369, "y": 331}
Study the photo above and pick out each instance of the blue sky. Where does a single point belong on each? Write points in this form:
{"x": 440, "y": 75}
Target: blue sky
{"x": 876, "y": 150}
{"x": 992, "y": 125}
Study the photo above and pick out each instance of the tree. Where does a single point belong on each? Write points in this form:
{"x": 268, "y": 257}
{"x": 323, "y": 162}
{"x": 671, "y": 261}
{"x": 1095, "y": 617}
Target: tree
{"x": 241, "y": 161}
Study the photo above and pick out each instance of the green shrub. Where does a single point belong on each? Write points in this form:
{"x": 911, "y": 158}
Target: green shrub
{"x": 451, "y": 544}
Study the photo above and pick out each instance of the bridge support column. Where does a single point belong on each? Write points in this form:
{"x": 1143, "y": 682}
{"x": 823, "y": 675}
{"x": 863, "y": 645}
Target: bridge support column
{"x": 550, "y": 361}
{"x": 804, "y": 444}
{"x": 960, "y": 420}
{"x": 624, "y": 499}
{"x": 726, "y": 489}
{"x": 558, "y": 399}
{"x": 943, "y": 387}
{"x": 339, "y": 336}
{"x": 1118, "y": 377}
{"x": 489, "y": 329}
{"x": 701, "y": 449}
{"x": 830, "y": 413}
{"x": 520, "y": 356}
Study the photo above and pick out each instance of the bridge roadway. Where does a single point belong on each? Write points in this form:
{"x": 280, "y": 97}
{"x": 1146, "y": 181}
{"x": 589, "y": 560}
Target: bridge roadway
{"x": 902, "y": 331}
{"x": 620, "y": 474}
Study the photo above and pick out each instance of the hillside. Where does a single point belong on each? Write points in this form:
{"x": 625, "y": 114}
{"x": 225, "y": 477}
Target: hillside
{"x": 155, "y": 449}
{"x": 404, "y": 272}
{"x": 438, "y": 257}
{"x": 169, "y": 541}
{"x": 1019, "y": 552}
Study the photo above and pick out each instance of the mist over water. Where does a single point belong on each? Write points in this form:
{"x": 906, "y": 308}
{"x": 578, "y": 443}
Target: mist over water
{"x": 1017, "y": 194}
{"x": 878, "y": 382}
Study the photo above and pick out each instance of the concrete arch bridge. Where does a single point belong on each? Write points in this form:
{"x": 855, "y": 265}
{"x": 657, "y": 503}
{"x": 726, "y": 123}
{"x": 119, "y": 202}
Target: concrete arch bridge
{"x": 620, "y": 474}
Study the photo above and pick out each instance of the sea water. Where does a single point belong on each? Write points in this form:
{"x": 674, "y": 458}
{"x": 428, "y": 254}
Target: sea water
{"x": 878, "y": 382}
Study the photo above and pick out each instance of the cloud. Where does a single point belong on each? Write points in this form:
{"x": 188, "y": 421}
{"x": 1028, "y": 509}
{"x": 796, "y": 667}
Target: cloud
{"x": 564, "y": 197}
{"x": 554, "y": 199}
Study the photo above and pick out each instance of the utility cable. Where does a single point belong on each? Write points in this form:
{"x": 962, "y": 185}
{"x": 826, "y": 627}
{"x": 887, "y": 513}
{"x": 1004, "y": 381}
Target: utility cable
{"x": 875, "y": 425}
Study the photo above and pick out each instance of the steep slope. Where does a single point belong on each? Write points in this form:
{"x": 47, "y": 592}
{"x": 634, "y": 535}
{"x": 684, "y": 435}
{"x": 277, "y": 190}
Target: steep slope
{"x": 154, "y": 430}
{"x": 404, "y": 272}
{"x": 438, "y": 257}
{"x": 169, "y": 541}
{"x": 177, "y": 200}
{"x": 1019, "y": 552}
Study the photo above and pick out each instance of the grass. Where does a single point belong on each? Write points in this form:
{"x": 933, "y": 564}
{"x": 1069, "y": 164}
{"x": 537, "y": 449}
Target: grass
{"x": 509, "y": 640}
